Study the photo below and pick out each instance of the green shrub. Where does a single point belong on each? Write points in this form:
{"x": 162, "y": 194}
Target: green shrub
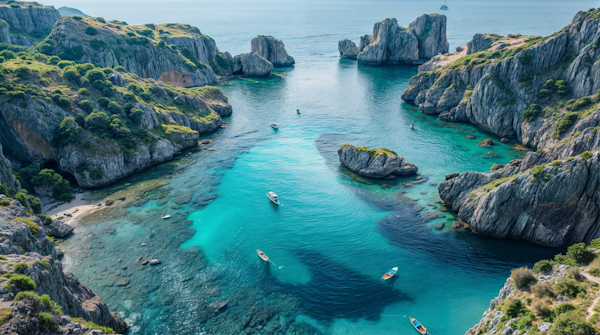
{"x": 541, "y": 290}
{"x": 4, "y": 203}
{"x": 586, "y": 155}
{"x": 20, "y": 267}
{"x": 515, "y": 308}
{"x": 100, "y": 19}
{"x": 83, "y": 322}
{"x": 77, "y": 17}
{"x": 569, "y": 288}
{"x": 83, "y": 91}
{"x": 522, "y": 277}
{"x": 27, "y": 295}
{"x": 64, "y": 63}
{"x": 45, "y": 319}
{"x": 556, "y": 163}
{"x": 580, "y": 253}
{"x": 86, "y": 105}
{"x": 95, "y": 74}
{"x": 563, "y": 308}
{"x": 54, "y": 60}
{"x": 564, "y": 124}
{"x": 68, "y": 132}
{"x": 120, "y": 69}
{"x": 594, "y": 272}
{"x": 34, "y": 227}
{"x": 571, "y": 324}
{"x": 544, "y": 93}
{"x": 525, "y": 59}
{"x": 22, "y": 282}
{"x": 543, "y": 266}
{"x": 90, "y": 30}
{"x": 7, "y": 54}
{"x": 531, "y": 112}
{"x": 23, "y": 72}
{"x": 541, "y": 308}
{"x": 97, "y": 44}
{"x": 146, "y": 96}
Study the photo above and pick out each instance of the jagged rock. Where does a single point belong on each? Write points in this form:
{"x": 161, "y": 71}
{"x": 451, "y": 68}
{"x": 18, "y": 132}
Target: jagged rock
{"x": 379, "y": 163}
{"x": 544, "y": 326}
{"x": 491, "y": 317}
{"x": 117, "y": 79}
{"x": 348, "y": 49}
{"x": 7, "y": 177}
{"x": 561, "y": 298}
{"x": 431, "y": 33}
{"x": 252, "y": 64}
{"x": 59, "y": 229}
{"x": 272, "y": 49}
{"x": 146, "y": 59}
{"x": 440, "y": 226}
{"x": 37, "y": 18}
{"x": 149, "y": 119}
{"x": 390, "y": 43}
{"x": 497, "y": 167}
{"x": 481, "y": 42}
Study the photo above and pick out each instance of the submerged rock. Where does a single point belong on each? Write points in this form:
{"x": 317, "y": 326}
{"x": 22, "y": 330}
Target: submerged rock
{"x": 422, "y": 40}
{"x": 374, "y": 163}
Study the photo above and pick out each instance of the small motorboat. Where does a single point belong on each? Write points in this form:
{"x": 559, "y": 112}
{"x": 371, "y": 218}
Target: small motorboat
{"x": 390, "y": 273}
{"x": 275, "y": 125}
{"x": 412, "y": 126}
{"x": 273, "y": 197}
{"x": 419, "y": 327}
{"x": 165, "y": 217}
{"x": 154, "y": 262}
{"x": 444, "y": 6}
{"x": 223, "y": 126}
{"x": 297, "y": 111}
{"x": 262, "y": 255}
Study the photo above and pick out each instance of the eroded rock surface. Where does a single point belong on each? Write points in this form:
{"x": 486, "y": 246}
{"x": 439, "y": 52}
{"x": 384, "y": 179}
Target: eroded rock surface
{"x": 376, "y": 163}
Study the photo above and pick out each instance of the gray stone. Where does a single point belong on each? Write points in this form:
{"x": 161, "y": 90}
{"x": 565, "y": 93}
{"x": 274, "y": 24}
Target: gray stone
{"x": 562, "y": 298}
{"x": 373, "y": 163}
{"x": 348, "y": 49}
{"x": 272, "y": 49}
{"x": 544, "y": 326}
{"x": 252, "y": 65}
{"x": 117, "y": 79}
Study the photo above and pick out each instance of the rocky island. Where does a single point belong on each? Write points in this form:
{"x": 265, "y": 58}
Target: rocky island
{"x": 375, "y": 163}
{"x": 391, "y": 44}
{"x": 267, "y": 52}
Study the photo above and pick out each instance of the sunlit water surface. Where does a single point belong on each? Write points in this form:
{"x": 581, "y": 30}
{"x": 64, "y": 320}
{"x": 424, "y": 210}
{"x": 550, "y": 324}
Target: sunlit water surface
{"x": 335, "y": 234}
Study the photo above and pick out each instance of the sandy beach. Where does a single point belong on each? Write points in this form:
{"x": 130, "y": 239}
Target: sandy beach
{"x": 77, "y": 208}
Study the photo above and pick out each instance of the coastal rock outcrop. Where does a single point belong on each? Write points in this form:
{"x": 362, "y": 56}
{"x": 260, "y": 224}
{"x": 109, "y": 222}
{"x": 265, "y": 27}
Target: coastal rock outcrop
{"x": 185, "y": 57}
{"x": 252, "y": 64}
{"x": 422, "y": 40}
{"x": 348, "y": 49}
{"x": 272, "y": 49}
{"x": 374, "y": 163}
{"x": 7, "y": 177}
{"x": 23, "y": 241}
{"x": 541, "y": 92}
{"x": 481, "y": 42}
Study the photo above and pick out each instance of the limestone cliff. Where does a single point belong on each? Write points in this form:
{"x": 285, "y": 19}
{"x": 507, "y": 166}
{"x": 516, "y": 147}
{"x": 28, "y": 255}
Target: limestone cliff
{"x": 272, "y": 49}
{"x": 541, "y": 92}
{"x": 31, "y": 257}
{"x": 422, "y": 40}
{"x": 25, "y": 22}
{"x": 7, "y": 177}
{"x": 175, "y": 54}
{"x": 374, "y": 163}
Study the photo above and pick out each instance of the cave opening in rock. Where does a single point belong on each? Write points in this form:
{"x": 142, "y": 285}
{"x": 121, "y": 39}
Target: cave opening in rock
{"x": 52, "y": 164}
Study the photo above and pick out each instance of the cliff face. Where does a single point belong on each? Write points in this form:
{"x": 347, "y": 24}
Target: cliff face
{"x": 36, "y": 21}
{"x": 7, "y": 177}
{"x": 172, "y": 53}
{"x": 107, "y": 131}
{"x": 541, "y": 92}
{"x": 272, "y": 49}
{"x": 376, "y": 163}
{"x": 22, "y": 232}
{"x": 390, "y": 43}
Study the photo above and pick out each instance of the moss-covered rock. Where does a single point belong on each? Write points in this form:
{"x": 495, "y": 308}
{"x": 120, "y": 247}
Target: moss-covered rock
{"x": 374, "y": 163}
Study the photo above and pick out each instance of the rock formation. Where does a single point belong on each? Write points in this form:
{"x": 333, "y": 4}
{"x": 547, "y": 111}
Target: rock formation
{"x": 481, "y": 42}
{"x": 23, "y": 240}
{"x": 267, "y": 52}
{"x": 7, "y": 177}
{"x": 390, "y": 43}
{"x": 374, "y": 163}
{"x": 185, "y": 57}
{"x": 251, "y": 64}
{"x": 68, "y": 11}
{"x": 541, "y": 92}
{"x": 28, "y": 18}
{"x": 272, "y": 49}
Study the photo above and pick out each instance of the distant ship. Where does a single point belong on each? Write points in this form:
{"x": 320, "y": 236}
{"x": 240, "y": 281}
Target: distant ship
{"x": 444, "y": 6}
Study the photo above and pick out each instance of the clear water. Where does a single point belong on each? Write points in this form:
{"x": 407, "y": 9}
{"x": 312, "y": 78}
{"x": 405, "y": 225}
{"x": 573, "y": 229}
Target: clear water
{"x": 335, "y": 234}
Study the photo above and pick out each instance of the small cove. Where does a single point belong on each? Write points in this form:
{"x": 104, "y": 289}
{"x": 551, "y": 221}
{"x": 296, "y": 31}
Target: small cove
{"x": 335, "y": 235}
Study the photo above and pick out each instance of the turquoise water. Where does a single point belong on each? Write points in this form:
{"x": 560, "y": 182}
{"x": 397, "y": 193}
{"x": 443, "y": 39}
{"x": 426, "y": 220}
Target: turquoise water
{"x": 336, "y": 234}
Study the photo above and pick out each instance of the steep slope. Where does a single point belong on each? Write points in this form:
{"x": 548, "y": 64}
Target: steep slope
{"x": 97, "y": 123}
{"x": 7, "y": 177}
{"x": 25, "y": 22}
{"x": 175, "y": 54}
{"x": 68, "y": 11}
{"x": 30, "y": 268}
{"x": 541, "y": 92}
{"x": 422, "y": 40}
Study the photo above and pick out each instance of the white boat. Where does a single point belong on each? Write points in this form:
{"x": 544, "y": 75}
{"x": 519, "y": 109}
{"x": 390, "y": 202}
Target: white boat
{"x": 275, "y": 125}
{"x": 165, "y": 217}
{"x": 273, "y": 197}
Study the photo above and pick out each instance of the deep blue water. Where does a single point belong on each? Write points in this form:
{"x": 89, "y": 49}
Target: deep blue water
{"x": 336, "y": 234}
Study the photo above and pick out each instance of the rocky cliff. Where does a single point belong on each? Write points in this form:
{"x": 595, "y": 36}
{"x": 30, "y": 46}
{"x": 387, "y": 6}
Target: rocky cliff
{"x": 538, "y": 91}
{"x": 175, "y": 54}
{"x": 97, "y": 123}
{"x": 7, "y": 177}
{"x": 272, "y": 49}
{"x": 31, "y": 269}
{"x": 25, "y": 22}
{"x": 422, "y": 40}
{"x": 374, "y": 163}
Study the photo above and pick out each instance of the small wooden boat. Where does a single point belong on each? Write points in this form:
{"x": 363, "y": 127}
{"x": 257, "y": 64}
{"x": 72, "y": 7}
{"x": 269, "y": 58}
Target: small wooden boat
{"x": 165, "y": 217}
{"x": 390, "y": 273}
{"x": 262, "y": 255}
{"x": 275, "y": 125}
{"x": 419, "y": 327}
{"x": 273, "y": 197}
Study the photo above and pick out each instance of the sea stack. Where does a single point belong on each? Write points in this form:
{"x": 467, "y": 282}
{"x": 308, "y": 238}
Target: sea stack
{"x": 267, "y": 53}
{"x": 422, "y": 40}
{"x": 375, "y": 163}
